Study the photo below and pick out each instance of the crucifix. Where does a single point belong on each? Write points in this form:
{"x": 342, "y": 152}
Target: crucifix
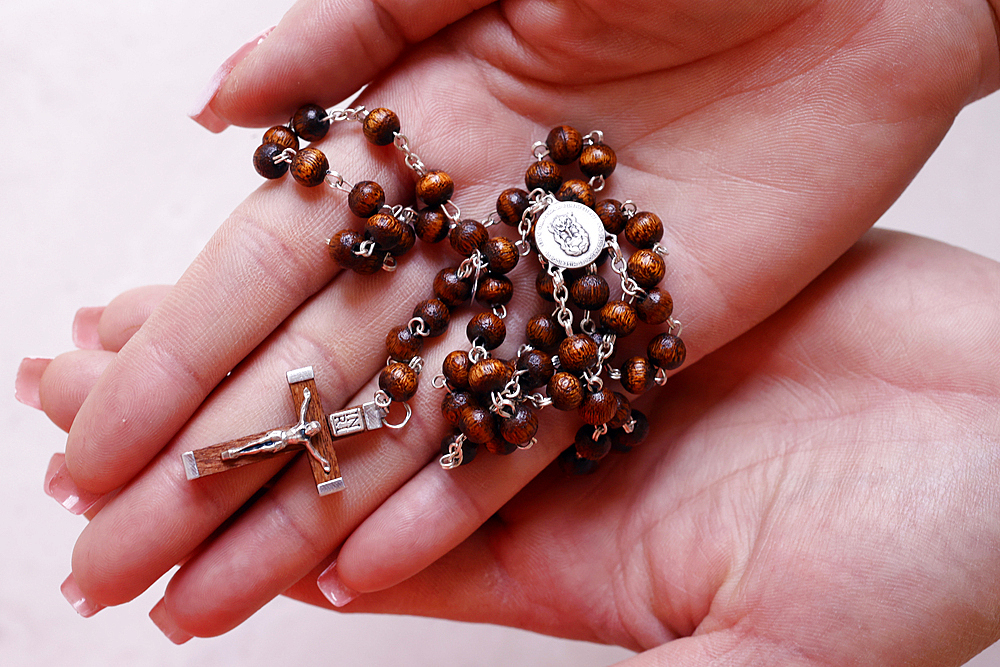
{"x": 315, "y": 432}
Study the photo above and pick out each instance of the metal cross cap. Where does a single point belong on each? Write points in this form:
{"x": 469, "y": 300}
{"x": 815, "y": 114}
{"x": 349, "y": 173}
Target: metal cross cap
{"x": 314, "y": 432}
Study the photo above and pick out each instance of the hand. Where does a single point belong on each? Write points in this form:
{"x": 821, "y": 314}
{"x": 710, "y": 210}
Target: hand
{"x": 742, "y": 223}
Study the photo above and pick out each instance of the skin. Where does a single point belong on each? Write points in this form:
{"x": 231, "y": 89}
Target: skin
{"x": 768, "y": 135}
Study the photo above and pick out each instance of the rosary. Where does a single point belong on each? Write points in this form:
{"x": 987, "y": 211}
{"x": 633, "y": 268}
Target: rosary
{"x": 489, "y": 401}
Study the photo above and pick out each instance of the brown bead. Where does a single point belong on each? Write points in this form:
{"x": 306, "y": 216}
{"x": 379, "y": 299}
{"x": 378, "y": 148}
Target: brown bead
{"x": 644, "y": 229}
{"x": 646, "y": 268}
{"x": 399, "y": 381}
{"x": 343, "y": 246}
{"x": 577, "y": 353}
{"x": 456, "y": 369}
{"x": 499, "y": 446}
{"x": 468, "y": 236}
{"x": 435, "y": 188}
{"x": 521, "y": 428}
{"x": 564, "y": 144}
{"x": 310, "y": 122}
{"x": 495, "y": 290}
{"x": 598, "y": 407}
{"x": 588, "y": 447}
{"x": 367, "y": 266}
{"x": 571, "y": 463}
{"x": 477, "y": 424}
{"x": 539, "y": 367}
{"x": 309, "y": 167}
{"x": 590, "y": 292}
{"x": 637, "y": 375}
{"x": 543, "y": 333}
{"x": 610, "y": 212}
{"x": 655, "y": 307}
{"x": 667, "y": 351}
{"x": 619, "y": 318}
{"x": 578, "y": 191}
{"x": 281, "y": 135}
{"x": 366, "y": 199}
{"x": 450, "y": 289}
{"x": 380, "y": 126}
{"x": 434, "y": 314}
{"x": 263, "y": 161}
{"x": 488, "y": 375}
{"x": 407, "y": 241}
{"x": 624, "y": 442}
{"x": 469, "y": 448}
{"x": 511, "y": 205}
{"x": 501, "y": 253}
{"x": 544, "y": 286}
{"x": 488, "y": 329}
{"x": 385, "y": 229}
{"x": 453, "y": 404}
{"x": 623, "y": 411}
{"x": 431, "y": 225}
{"x": 598, "y": 160}
{"x": 544, "y": 174}
{"x": 565, "y": 391}
{"x": 402, "y": 344}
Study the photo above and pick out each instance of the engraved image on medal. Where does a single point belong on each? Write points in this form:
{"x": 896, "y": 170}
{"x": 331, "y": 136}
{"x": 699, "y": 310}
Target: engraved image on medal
{"x": 569, "y": 234}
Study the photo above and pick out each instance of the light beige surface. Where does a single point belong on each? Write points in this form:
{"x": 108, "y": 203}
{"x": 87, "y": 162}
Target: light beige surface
{"x": 107, "y": 185}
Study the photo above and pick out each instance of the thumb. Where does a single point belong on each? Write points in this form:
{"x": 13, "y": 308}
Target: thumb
{"x": 322, "y": 51}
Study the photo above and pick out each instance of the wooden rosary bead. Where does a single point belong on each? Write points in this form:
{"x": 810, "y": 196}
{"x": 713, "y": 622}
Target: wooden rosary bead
{"x": 342, "y": 247}
{"x": 456, "y": 369}
{"x": 369, "y": 266}
{"x": 539, "y": 367}
{"x": 435, "y": 315}
{"x": 263, "y": 161}
{"x": 578, "y": 191}
{"x": 385, "y": 229}
{"x": 366, "y": 199}
{"x": 644, "y": 229}
{"x": 598, "y": 407}
{"x": 432, "y": 225}
{"x": 598, "y": 160}
{"x": 469, "y": 448}
{"x": 565, "y": 144}
{"x": 543, "y": 333}
{"x": 402, "y": 344}
{"x": 450, "y": 289}
{"x": 489, "y": 375}
{"x": 435, "y": 188}
{"x": 495, "y": 290}
{"x": 468, "y": 236}
{"x": 637, "y": 375}
{"x": 453, "y": 404}
{"x": 622, "y": 441}
{"x": 544, "y": 174}
{"x": 309, "y": 167}
{"x": 281, "y": 135}
{"x": 310, "y": 122}
{"x": 499, "y": 446}
{"x": 667, "y": 351}
{"x": 406, "y": 243}
{"x": 544, "y": 286}
{"x": 577, "y": 353}
{"x": 589, "y": 448}
{"x": 502, "y": 254}
{"x": 619, "y": 318}
{"x": 646, "y": 268}
{"x": 477, "y": 424}
{"x": 655, "y": 307}
{"x": 511, "y": 205}
{"x": 623, "y": 411}
{"x": 572, "y": 463}
{"x": 590, "y": 292}
{"x": 399, "y": 381}
{"x": 610, "y": 213}
{"x": 380, "y": 126}
{"x": 488, "y": 329}
{"x": 565, "y": 391}
{"x": 521, "y": 428}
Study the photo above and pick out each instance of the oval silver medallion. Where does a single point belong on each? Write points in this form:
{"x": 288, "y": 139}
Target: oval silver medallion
{"x": 569, "y": 234}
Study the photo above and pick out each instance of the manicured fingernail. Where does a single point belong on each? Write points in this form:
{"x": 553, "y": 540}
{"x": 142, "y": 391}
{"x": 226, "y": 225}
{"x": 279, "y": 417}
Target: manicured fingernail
{"x": 333, "y": 589}
{"x": 85, "y": 335}
{"x": 29, "y": 376}
{"x": 203, "y": 114}
{"x": 60, "y": 486}
{"x": 75, "y": 597}
{"x": 161, "y": 619}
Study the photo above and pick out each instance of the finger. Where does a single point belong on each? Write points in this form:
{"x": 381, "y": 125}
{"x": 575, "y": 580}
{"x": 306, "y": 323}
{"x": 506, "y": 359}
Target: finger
{"x": 128, "y": 311}
{"x": 67, "y": 381}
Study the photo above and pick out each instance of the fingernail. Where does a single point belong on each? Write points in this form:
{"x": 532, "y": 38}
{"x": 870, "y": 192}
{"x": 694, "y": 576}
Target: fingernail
{"x": 60, "y": 486}
{"x": 203, "y": 114}
{"x": 85, "y": 335}
{"x": 75, "y": 597}
{"x": 161, "y": 619}
{"x": 29, "y": 376}
{"x": 333, "y": 589}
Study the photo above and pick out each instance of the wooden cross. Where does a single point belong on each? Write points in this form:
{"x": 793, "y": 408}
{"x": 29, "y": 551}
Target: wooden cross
{"x": 314, "y": 432}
